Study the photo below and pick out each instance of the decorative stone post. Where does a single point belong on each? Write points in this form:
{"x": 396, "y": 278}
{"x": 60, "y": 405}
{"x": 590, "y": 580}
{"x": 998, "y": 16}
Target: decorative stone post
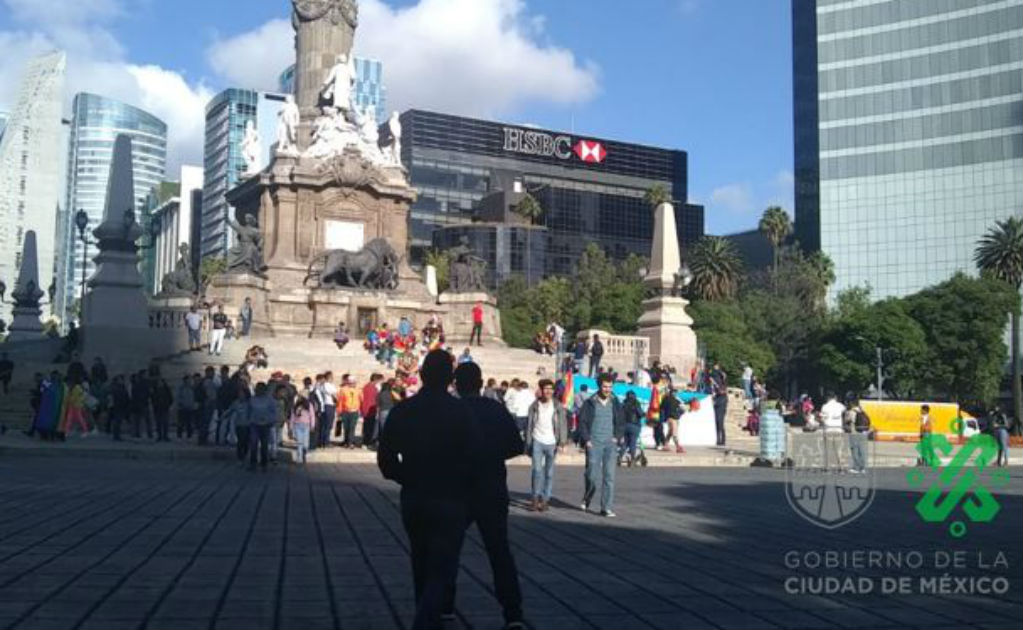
{"x": 26, "y": 325}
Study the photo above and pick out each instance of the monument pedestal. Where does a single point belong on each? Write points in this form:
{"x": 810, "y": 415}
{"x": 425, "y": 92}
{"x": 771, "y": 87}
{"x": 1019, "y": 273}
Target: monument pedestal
{"x": 672, "y": 340}
{"x": 231, "y": 290}
{"x": 458, "y": 318}
{"x": 25, "y": 325}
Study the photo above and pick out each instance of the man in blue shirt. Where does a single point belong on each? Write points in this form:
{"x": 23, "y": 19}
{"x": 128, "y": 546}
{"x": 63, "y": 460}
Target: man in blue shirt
{"x": 601, "y": 425}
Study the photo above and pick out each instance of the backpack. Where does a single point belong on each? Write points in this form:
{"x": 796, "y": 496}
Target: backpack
{"x": 862, "y": 421}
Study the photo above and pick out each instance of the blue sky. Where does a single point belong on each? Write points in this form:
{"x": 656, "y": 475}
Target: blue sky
{"x": 712, "y": 77}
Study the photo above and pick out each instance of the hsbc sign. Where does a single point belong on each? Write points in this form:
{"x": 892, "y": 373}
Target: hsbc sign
{"x": 557, "y": 146}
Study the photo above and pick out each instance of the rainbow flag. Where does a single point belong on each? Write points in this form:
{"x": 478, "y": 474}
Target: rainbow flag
{"x": 653, "y": 410}
{"x": 568, "y": 396}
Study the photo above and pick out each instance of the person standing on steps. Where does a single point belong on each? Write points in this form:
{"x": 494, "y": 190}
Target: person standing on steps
{"x": 546, "y": 436}
{"x": 429, "y": 446}
{"x": 6, "y": 371}
{"x": 477, "y": 324}
{"x": 350, "y": 401}
{"x": 219, "y": 331}
{"x": 245, "y": 315}
{"x": 596, "y": 354}
{"x": 328, "y": 394}
{"x": 488, "y": 500}
{"x": 719, "y": 389}
{"x": 601, "y": 425}
{"x": 193, "y": 323}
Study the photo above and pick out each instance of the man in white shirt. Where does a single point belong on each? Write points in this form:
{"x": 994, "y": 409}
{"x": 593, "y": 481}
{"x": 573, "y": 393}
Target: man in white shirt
{"x": 193, "y": 323}
{"x": 328, "y": 394}
{"x": 831, "y": 420}
{"x": 546, "y": 434}
{"x": 643, "y": 378}
{"x": 747, "y": 381}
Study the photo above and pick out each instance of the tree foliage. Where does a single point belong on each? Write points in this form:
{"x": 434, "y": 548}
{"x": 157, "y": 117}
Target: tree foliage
{"x": 656, "y": 195}
{"x": 529, "y": 208}
{"x": 717, "y": 269}
{"x": 441, "y": 261}
{"x": 776, "y": 225}
{"x": 722, "y": 329}
{"x": 210, "y": 267}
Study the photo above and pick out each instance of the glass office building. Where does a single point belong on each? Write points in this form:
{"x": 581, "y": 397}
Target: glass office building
{"x": 227, "y": 114}
{"x": 908, "y": 134}
{"x": 31, "y": 159}
{"x": 369, "y": 85}
{"x": 96, "y": 122}
{"x": 590, "y": 189}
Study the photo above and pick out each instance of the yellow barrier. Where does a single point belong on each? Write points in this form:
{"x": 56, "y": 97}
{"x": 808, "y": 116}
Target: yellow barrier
{"x": 895, "y": 419}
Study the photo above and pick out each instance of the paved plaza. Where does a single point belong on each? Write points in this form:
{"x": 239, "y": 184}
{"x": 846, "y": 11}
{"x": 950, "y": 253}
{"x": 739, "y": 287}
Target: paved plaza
{"x": 92, "y": 543}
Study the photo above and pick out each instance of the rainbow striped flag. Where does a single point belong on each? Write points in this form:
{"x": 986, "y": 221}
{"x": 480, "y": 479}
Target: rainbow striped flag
{"x": 653, "y": 411}
{"x": 568, "y": 396}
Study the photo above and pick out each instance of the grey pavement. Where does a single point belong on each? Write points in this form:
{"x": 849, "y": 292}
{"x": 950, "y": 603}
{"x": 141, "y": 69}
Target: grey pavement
{"x": 91, "y": 543}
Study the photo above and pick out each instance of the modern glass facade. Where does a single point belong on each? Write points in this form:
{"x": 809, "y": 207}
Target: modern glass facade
{"x": 226, "y": 116}
{"x": 30, "y": 169}
{"x": 3, "y": 124}
{"x": 509, "y": 250}
{"x": 369, "y": 85}
{"x": 588, "y": 194}
{"x": 908, "y": 134}
{"x": 96, "y": 123}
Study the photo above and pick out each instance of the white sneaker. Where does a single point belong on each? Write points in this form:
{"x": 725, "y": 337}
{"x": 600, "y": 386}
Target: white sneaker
{"x": 609, "y": 514}
{"x": 584, "y": 506}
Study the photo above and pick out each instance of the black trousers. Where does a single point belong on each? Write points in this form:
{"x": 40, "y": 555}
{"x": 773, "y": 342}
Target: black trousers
{"x": 259, "y": 440}
{"x": 186, "y": 422}
{"x": 162, "y": 424}
{"x": 477, "y": 333}
{"x": 436, "y": 529}
{"x": 720, "y": 407}
{"x": 491, "y": 518}
{"x": 242, "y": 433}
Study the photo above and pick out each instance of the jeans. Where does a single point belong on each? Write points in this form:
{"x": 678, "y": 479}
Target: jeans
{"x": 301, "y": 431}
{"x": 259, "y": 439}
{"x": 594, "y": 366}
{"x": 186, "y": 422}
{"x": 242, "y": 448}
{"x": 217, "y": 340}
{"x": 205, "y": 418}
{"x": 491, "y": 518}
{"x": 275, "y": 440}
{"x": 600, "y": 468}
{"x": 246, "y": 325}
{"x": 747, "y": 388}
{"x": 543, "y": 469}
{"x": 477, "y": 333}
{"x": 194, "y": 338}
{"x": 631, "y": 438}
{"x": 1002, "y": 436}
{"x": 720, "y": 407}
{"x": 436, "y": 529}
{"x": 326, "y": 425}
{"x": 348, "y": 421}
{"x": 382, "y": 420}
{"x": 858, "y": 450}
{"x": 370, "y": 431}
{"x": 162, "y": 424}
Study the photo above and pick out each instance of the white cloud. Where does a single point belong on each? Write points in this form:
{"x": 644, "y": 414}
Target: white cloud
{"x": 735, "y": 198}
{"x": 784, "y": 179}
{"x": 473, "y": 57}
{"x": 96, "y": 64}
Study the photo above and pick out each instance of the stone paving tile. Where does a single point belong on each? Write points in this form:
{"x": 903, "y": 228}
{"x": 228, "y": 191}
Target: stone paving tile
{"x": 164, "y": 545}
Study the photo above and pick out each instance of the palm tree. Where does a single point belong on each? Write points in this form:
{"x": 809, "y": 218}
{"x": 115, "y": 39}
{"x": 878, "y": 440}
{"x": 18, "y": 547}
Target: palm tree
{"x": 529, "y": 208}
{"x": 441, "y": 261}
{"x": 824, "y": 274}
{"x": 716, "y": 267}
{"x": 1000, "y": 254}
{"x": 657, "y": 195}
{"x": 776, "y": 226}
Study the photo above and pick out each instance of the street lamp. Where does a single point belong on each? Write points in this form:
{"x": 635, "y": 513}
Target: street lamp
{"x": 82, "y": 222}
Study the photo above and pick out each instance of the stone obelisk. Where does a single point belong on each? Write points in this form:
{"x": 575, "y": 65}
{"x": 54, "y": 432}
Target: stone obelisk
{"x": 115, "y": 314}
{"x": 324, "y": 29}
{"x": 26, "y": 325}
{"x": 664, "y": 321}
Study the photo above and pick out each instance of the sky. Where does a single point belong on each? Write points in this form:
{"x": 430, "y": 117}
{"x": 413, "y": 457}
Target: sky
{"x": 710, "y": 77}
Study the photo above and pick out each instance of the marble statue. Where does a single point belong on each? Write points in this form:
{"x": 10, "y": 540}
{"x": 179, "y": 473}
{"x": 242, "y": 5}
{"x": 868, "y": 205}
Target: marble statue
{"x": 466, "y": 273}
{"x": 180, "y": 281}
{"x": 375, "y": 266}
{"x": 338, "y": 86}
{"x": 369, "y": 137}
{"x": 331, "y": 134}
{"x": 392, "y": 148}
{"x": 287, "y": 127}
{"x": 335, "y": 11}
{"x": 247, "y": 254}
{"x": 250, "y": 148}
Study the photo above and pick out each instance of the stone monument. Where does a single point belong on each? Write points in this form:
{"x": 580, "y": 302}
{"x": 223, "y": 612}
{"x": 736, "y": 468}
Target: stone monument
{"x": 25, "y": 325}
{"x": 115, "y": 312}
{"x": 664, "y": 321}
{"x": 323, "y": 229}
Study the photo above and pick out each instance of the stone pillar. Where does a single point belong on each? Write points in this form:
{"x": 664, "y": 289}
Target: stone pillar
{"x": 665, "y": 321}
{"x": 26, "y": 325}
{"x": 324, "y": 29}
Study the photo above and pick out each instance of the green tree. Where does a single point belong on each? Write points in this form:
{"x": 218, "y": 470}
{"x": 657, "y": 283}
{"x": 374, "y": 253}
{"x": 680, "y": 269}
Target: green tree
{"x": 776, "y": 226}
{"x": 782, "y": 320}
{"x": 1000, "y": 254}
{"x": 727, "y": 338}
{"x": 513, "y": 300}
{"x": 529, "y": 208}
{"x": 716, "y": 267}
{"x": 964, "y": 320}
{"x": 851, "y": 301}
{"x": 209, "y": 267}
{"x": 441, "y": 261}
{"x": 656, "y": 195}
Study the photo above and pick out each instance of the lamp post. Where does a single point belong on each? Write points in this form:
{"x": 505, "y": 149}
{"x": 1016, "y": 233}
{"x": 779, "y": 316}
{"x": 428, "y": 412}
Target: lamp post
{"x": 82, "y": 222}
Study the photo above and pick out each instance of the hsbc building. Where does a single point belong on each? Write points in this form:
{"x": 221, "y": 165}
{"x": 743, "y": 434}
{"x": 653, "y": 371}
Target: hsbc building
{"x": 470, "y": 175}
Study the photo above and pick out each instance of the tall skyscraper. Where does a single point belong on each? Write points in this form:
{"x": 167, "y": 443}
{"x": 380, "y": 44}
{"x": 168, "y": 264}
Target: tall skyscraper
{"x": 369, "y": 85}
{"x": 226, "y": 116}
{"x": 30, "y": 168}
{"x": 4, "y": 116}
{"x": 908, "y": 134}
{"x": 96, "y": 122}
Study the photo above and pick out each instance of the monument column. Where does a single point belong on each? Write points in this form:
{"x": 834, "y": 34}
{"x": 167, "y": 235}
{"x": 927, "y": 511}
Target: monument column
{"x": 324, "y": 29}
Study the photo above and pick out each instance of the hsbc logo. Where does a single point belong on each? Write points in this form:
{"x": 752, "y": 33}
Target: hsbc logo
{"x": 590, "y": 151}
{"x": 544, "y": 144}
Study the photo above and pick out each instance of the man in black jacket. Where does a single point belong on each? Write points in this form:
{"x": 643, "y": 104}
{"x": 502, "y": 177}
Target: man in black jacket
{"x": 488, "y": 501}
{"x": 428, "y": 446}
{"x": 601, "y": 425}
